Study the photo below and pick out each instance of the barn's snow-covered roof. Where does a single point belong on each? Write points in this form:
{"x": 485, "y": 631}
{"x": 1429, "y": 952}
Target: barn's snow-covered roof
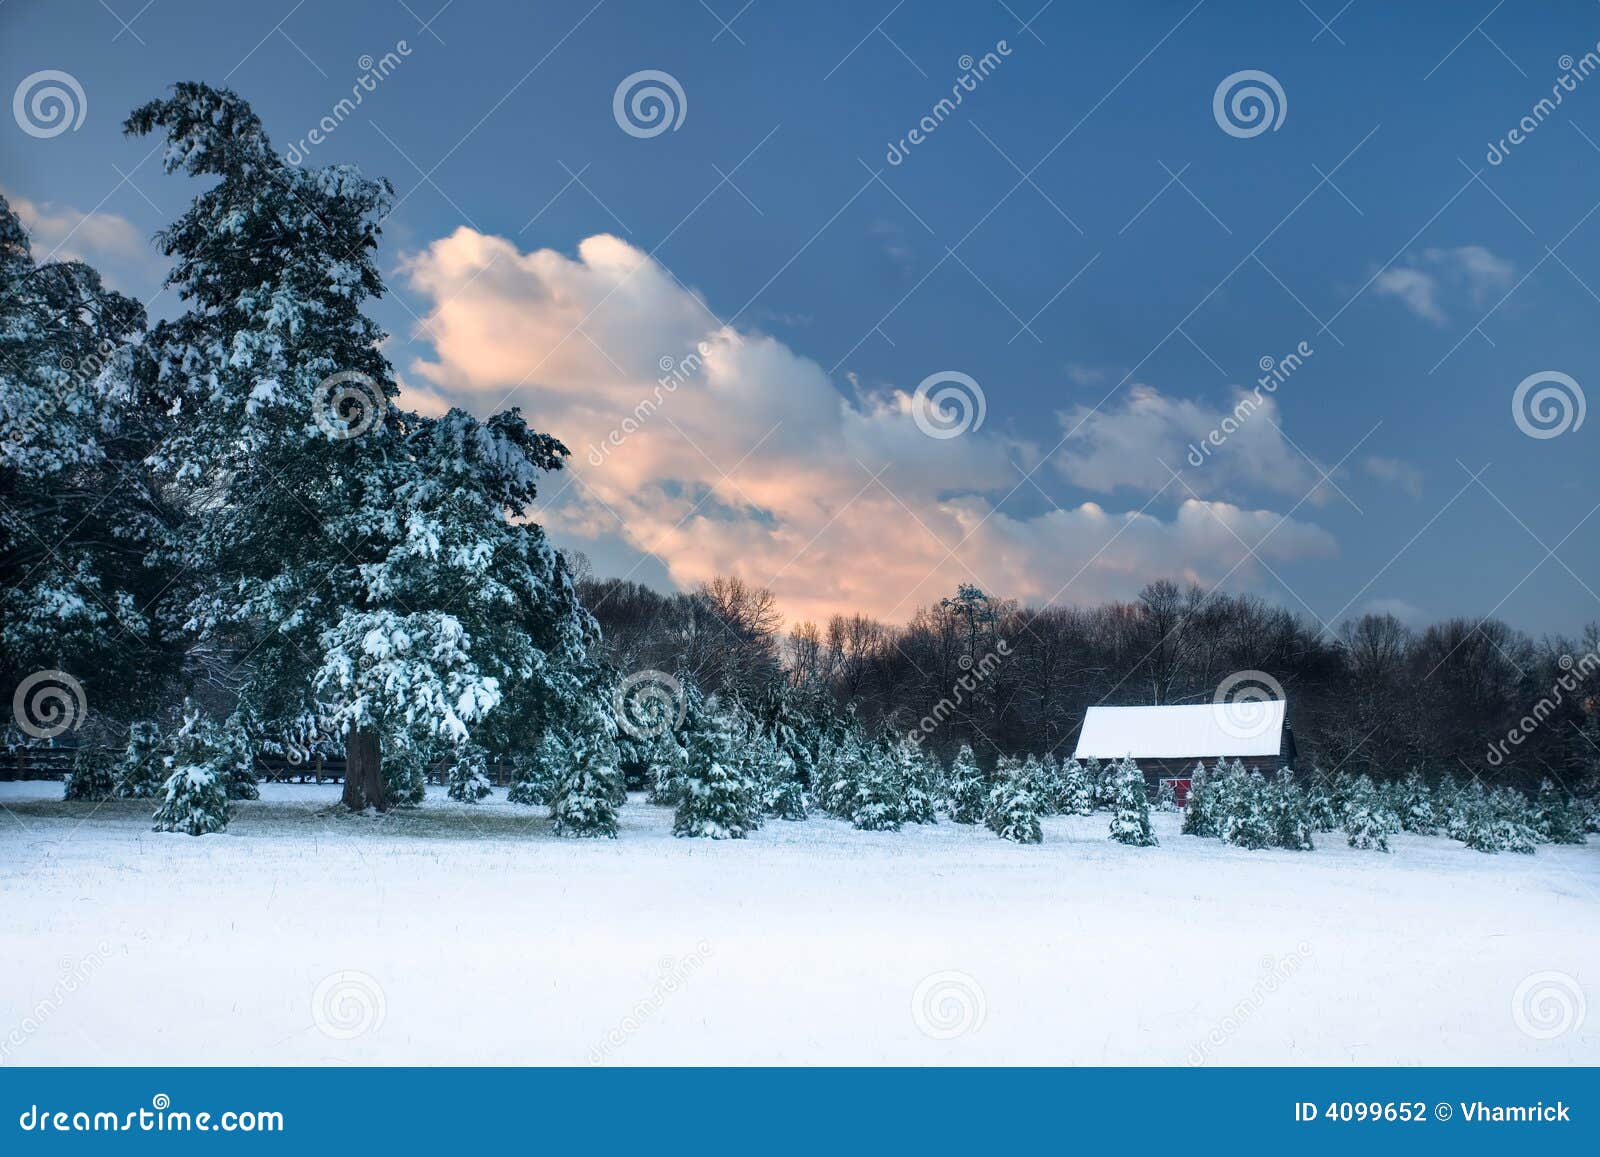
{"x": 1190, "y": 731}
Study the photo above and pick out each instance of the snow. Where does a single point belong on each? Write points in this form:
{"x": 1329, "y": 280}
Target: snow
{"x": 1233, "y": 730}
{"x": 455, "y": 934}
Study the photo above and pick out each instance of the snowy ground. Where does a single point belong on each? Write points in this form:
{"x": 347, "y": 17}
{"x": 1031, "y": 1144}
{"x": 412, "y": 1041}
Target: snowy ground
{"x": 457, "y": 935}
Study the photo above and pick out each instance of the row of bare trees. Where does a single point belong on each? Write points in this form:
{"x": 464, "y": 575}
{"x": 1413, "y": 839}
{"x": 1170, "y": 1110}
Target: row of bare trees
{"x": 1376, "y": 696}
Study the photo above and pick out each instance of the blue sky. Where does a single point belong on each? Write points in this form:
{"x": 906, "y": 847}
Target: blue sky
{"x": 1080, "y": 237}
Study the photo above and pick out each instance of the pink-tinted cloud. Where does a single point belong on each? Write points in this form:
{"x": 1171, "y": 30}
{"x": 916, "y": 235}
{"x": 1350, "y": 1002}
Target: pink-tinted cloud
{"x": 721, "y": 451}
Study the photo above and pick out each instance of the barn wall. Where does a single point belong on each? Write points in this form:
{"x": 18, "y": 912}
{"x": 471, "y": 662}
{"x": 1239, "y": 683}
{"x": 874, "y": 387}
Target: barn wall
{"x": 1155, "y": 770}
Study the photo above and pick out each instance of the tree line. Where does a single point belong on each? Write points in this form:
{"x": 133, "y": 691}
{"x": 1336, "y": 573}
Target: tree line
{"x": 1374, "y": 697}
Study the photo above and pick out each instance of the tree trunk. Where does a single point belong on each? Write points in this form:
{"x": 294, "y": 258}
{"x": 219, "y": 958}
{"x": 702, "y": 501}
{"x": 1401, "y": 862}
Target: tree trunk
{"x": 363, "y": 771}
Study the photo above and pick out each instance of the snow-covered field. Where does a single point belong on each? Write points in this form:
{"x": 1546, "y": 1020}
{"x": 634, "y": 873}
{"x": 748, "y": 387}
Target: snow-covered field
{"x": 459, "y": 935}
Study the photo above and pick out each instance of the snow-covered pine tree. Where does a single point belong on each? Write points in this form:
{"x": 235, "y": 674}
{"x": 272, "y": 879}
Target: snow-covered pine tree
{"x": 142, "y": 768}
{"x": 966, "y": 794}
{"x": 1556, "y": 818}
{"x": 1289, "y": 806}
{"x": 1465, "y": 806}
{"x": 1344, "y": 786}
{"x": 842, "y": 765}
{"x": 1445, "y": 796}
{"x": 1167, "y": 796}
{"x": 787, "y": 801}
{"x": 535, "y": 774}
{"x": 782, "y": 795}
{"x": 664, "y": 761}
{"x": 89, "y": 585}
{"x": 467, "y": 773}
{"x": 194, "y": 799}
{"x": 916, "y": 773}
{"x": 1364, "y": 824}
{"x": 1497, "y": 822}
{"x": 1011, "y": 812}
{"x": 239, "y": 758}
{"x": 794, "y": 734}
{"x": 1201, "y": 816}
{"x": 581, "y": 804}
{"x": 1390, "y": 805}
{"x": 1319, "y": 805}
{"x": 1101, "y": 777}
{"x": 405, "y": 773}
{"x": 1248, "y": 822}
{"x": 1052, "y": 789}
{"x": 93, "y": 775}
{"x": 878, "y": 803}
{"x": 1515, "y": 818}
{"x": 1416, "y": 805}
{"x": 396, "y": 556}
{"x": 1077, "y": 789}
{"x": 1130, "y": 802}
{"x": 719, "y": 798}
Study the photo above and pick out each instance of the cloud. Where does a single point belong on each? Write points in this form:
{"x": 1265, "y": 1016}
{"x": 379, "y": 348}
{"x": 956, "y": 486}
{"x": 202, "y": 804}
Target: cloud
{"x": 1470, "y": 270}
{"x": 720, "y": 451}
{"x": 1124, "y": 445}
{"x": 109, "y": 242}
{"x": 1418, "y": 290}
{"x": 1396, "y": 473}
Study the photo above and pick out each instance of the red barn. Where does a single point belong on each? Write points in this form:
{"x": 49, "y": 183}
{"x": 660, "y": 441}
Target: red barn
{"x": 1166, "y": 742}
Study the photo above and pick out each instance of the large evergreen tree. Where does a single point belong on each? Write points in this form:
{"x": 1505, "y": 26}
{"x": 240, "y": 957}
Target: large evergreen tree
{"x": 368, "y": 562}
{"x": 83, "y": 519}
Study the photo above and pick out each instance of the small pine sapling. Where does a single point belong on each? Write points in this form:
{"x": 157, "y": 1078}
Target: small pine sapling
{"x": 468, "y": 773}
{"x": 1130, "y": 818}
{"x": 1364, "y": 824}
{"x": 1012, "y": 813}
{"x": 194, "y": 799}
{"x": 1319, "y": 806}
{"x": 405, "y": 774}
{"x": 916, "y": 777}
{"x": 720, "y": 800}
{"x": 1417, "y": 812}
{"x": 93, "y": 774}
{"x": 1556, "y": 816}
{"x": 1200, "y": 812}
{"x": 1248, "y": 822}
{"x": 879, "y": 802}
{"x": 581, "y": 804}
{"x": 1291, "y": 813}
{"x": 1167, "y": 796}
{"x": 966, "y": 794}
{"x": 142, "y": 769}
{"x": 1077, "y": 789}
{"x": 536, "y": 774}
